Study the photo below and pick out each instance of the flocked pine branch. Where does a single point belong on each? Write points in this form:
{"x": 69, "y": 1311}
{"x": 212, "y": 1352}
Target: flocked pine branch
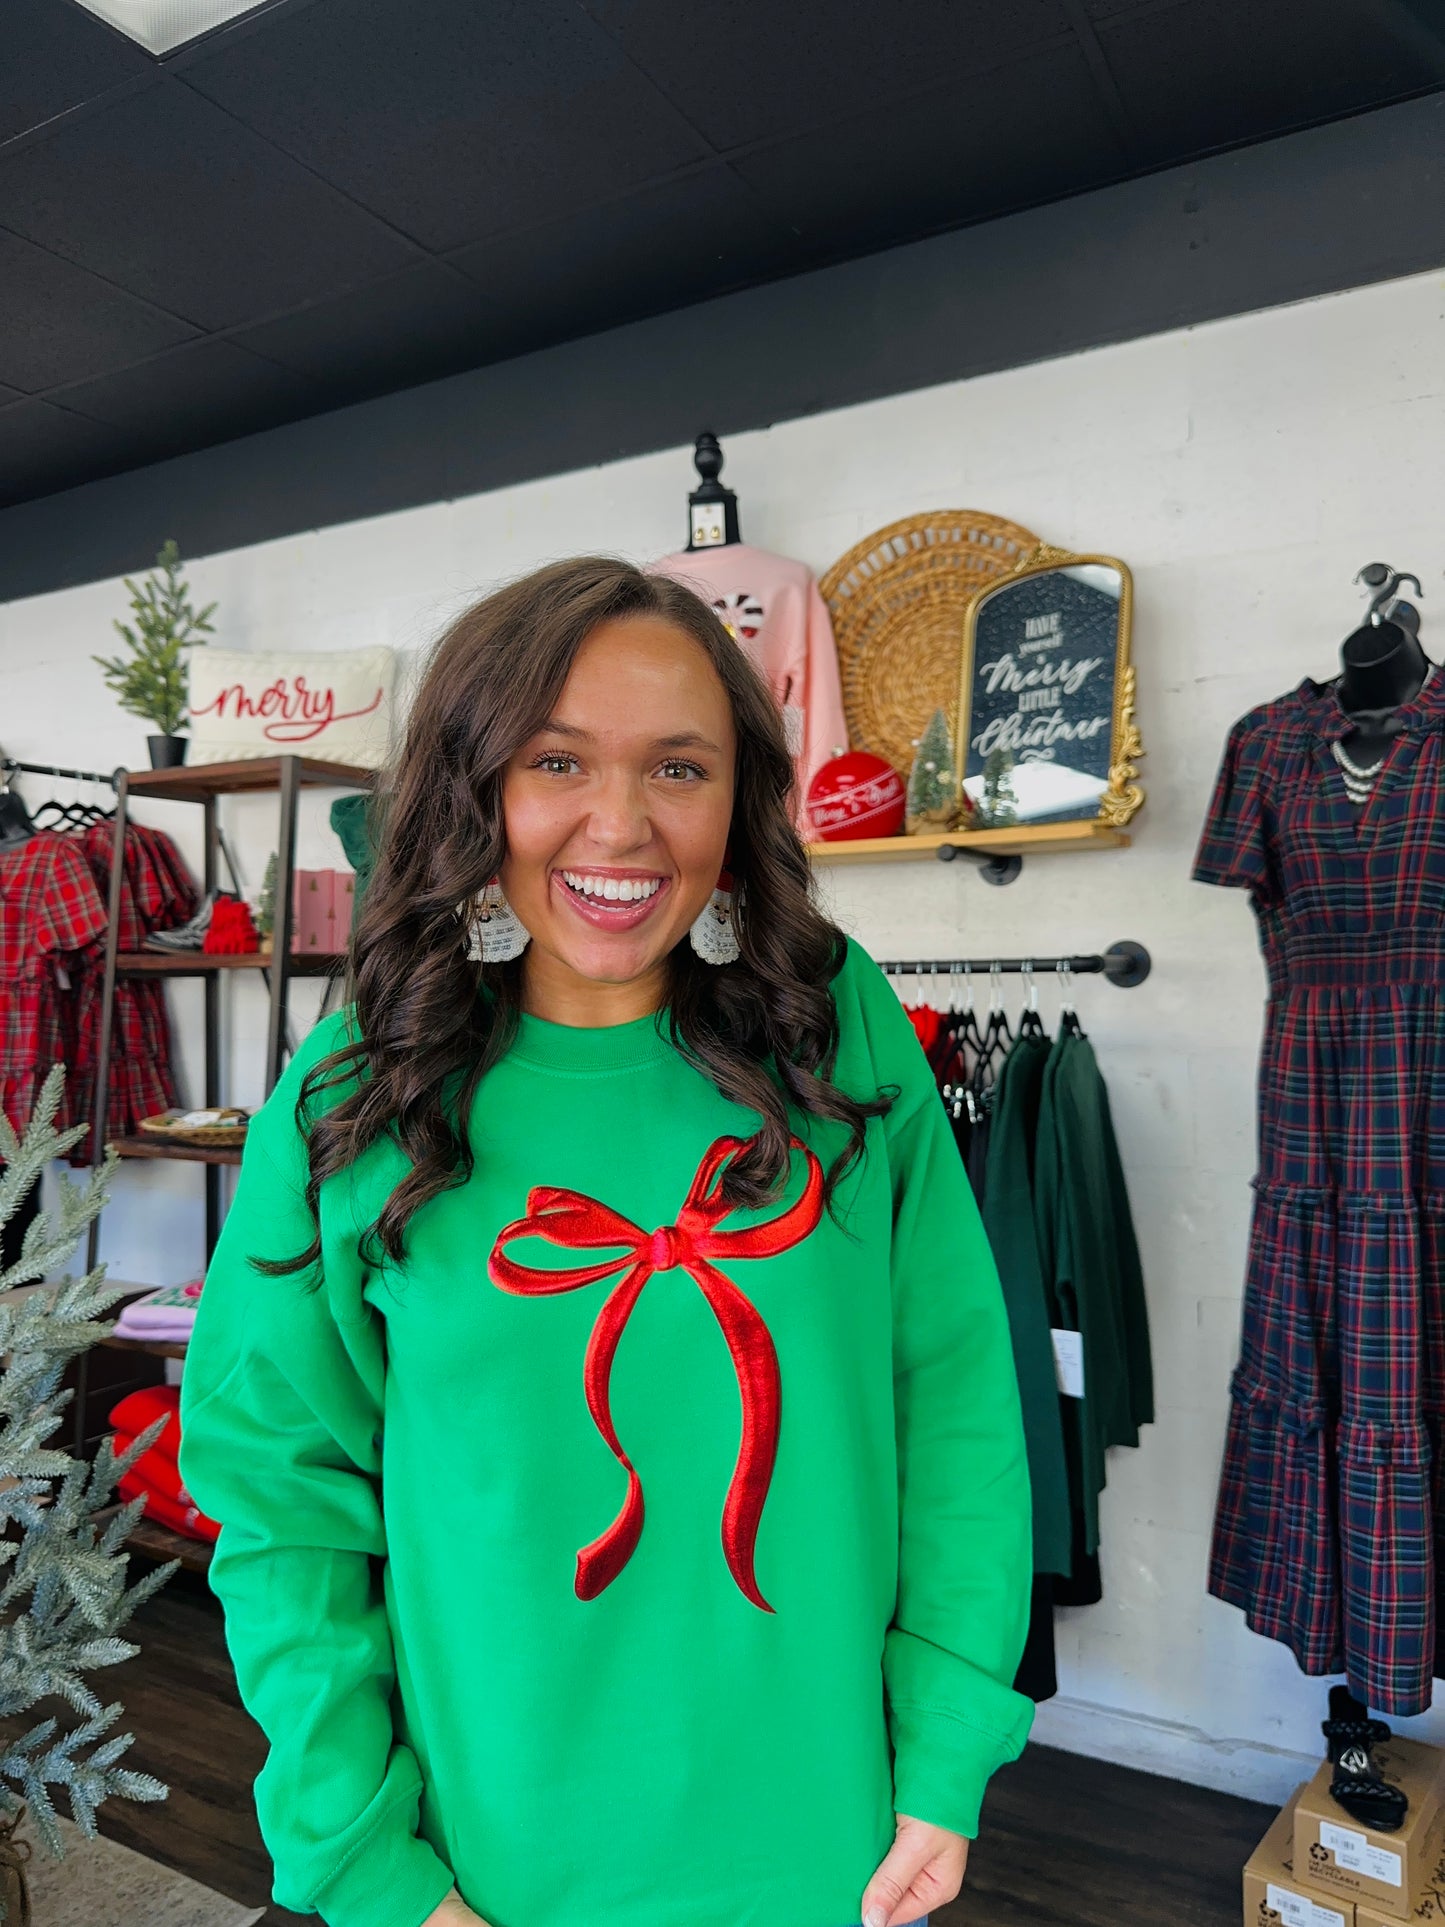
{"x": 63, "y": 1591}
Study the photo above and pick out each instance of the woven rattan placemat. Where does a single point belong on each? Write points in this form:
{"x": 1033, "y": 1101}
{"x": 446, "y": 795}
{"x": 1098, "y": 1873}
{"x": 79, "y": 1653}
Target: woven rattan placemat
{"x": 897, "y": 601}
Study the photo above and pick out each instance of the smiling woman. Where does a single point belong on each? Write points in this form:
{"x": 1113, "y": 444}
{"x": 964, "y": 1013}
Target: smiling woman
{"x": 617, "y": 816}
{"x": 602, "y": 1381}
{"x": 596, "y": 718}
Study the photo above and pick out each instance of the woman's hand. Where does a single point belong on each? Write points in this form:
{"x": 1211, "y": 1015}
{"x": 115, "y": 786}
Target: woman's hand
{"x": 923, "y": 1869}
{"x": 453, "y": 1911}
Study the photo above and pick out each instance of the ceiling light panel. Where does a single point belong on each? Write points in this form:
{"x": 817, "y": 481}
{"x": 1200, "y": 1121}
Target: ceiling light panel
{"x": 163, "y": 25}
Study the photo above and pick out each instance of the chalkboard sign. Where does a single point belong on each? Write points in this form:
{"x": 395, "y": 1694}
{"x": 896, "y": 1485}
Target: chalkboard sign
{"x": 1045, "y": 653}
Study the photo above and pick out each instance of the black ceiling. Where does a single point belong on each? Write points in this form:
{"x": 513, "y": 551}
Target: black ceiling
{"x": 332, "y": 199}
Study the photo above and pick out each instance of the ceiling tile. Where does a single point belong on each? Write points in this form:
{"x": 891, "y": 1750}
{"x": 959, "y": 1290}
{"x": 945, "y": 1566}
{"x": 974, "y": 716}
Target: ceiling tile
{"x": 172, "y": 200}
{"x": 58, "y": 323}
{"x": 411, "y": 327}
{"x": 42, "y": 448}
{"x": 656, "y": 250}
{"x": 742, "y": 72}
{"x": 208, "y": 391}
{"x": 963, "y": 153}
{"x": 53, "y": 57}
{"x": 1194, "y": 78}
{"x": 452, "y": 120}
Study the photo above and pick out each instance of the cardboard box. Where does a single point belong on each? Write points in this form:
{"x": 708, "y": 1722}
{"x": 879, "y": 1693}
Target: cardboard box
{"x": 1335, "y": 1853}
{"x": 1272, "y": 1895}
{"x": 1427, "y": 1903}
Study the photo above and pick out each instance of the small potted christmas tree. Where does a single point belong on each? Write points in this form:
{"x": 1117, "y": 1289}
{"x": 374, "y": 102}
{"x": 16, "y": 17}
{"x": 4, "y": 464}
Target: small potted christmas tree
{"x": 932, "y": 790}
{"x": 266, "y": 908}
{"x": 152, "y": 682}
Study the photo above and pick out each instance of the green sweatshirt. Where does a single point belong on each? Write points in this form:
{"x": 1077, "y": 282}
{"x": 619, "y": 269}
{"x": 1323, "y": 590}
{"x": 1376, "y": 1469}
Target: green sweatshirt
{"x": 669, "y": 1641}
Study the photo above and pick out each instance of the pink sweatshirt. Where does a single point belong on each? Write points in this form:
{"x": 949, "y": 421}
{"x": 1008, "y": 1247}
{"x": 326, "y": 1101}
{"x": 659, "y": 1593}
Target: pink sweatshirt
{"x": 772, "y": 605}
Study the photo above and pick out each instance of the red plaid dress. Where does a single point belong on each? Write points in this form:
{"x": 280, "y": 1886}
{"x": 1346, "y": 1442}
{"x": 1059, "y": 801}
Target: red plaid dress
{"x": 52, "y": 921}
{"x": 1330, "y": 1527}
{"x": 156, "y": 894}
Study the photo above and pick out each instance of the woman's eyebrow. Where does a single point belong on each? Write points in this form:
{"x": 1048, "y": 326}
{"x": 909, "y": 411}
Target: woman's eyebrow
{"x": 686, "y": 739}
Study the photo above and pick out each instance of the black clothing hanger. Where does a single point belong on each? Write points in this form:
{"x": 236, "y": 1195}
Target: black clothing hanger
{"x": 712, "y": 510}
{"x": 1069, "y": 1025}
{"x": 15, "y": 824}
{"x": 1031, "y": 1024}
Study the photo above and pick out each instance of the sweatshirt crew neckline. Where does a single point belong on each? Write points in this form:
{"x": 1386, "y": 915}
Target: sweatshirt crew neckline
{"x": 590, "y": 1049}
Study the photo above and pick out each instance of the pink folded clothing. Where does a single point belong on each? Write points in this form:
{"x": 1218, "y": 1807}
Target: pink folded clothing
{"x": 168, "y": 1314}
{"x": 156, "y": 1334}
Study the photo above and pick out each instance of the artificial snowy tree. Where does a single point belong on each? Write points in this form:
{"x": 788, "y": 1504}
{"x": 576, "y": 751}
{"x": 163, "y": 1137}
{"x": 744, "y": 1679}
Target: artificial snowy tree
{"x": 63, "y": 1595}
{"x": 998, "y": 806}
{"x": 932, "y": 802}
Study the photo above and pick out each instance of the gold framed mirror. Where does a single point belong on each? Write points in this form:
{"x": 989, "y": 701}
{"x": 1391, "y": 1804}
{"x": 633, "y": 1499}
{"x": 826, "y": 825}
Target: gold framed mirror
{"x": 1046, "y": 732}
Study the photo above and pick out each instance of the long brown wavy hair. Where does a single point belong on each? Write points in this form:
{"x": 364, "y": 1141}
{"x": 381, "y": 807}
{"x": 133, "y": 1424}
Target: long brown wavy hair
{"x": 424, "y": 1036}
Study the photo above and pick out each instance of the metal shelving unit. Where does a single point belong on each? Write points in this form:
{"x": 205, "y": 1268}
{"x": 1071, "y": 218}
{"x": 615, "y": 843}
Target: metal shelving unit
{"x": 203, "y": 785}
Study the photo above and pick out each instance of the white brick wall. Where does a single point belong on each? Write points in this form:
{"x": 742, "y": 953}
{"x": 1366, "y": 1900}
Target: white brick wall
{"x": 1246, "y": 470}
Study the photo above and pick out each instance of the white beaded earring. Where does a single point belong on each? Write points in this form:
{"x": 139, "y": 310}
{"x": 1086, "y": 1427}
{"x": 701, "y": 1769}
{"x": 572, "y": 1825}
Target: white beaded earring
{"x": 495, "y": 933}
{"x": 714, "y": 931}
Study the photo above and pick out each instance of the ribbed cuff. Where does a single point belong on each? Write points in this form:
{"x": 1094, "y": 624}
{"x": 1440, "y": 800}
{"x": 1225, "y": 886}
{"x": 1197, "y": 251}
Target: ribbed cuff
{"x": 942, "y": 1766}
{"x": 393, "y": 1879}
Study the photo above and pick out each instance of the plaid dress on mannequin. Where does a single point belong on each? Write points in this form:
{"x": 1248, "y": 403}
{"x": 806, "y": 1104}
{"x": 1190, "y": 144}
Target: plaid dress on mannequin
{"x": 1330, "y": 1526}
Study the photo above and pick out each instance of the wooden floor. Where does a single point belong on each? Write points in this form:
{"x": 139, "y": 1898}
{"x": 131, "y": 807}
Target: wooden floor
{"x": 1065, "y": 1840}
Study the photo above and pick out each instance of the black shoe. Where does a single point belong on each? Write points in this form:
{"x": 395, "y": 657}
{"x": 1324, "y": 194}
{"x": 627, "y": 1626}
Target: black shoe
{"x": 186, "y": 936}
{"x": 1356, "y": 1784}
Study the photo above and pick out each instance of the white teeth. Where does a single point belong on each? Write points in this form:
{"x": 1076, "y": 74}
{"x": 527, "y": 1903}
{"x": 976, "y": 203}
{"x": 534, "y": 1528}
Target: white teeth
{"x": 612, "y": 889}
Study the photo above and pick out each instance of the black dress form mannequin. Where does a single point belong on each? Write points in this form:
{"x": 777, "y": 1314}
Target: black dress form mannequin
{"x": 712, "y": 510}
{"x": 1383, "y": 667}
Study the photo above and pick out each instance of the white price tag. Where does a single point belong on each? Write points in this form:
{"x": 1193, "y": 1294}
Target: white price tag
{"x": 1295, "y": 1911}
{"x": 1354, "y": 1853}
{"x": 1069, "y": 1362}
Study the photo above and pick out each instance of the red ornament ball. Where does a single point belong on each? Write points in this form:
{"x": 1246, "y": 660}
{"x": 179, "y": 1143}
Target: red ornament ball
{"x": 855, "y": 795}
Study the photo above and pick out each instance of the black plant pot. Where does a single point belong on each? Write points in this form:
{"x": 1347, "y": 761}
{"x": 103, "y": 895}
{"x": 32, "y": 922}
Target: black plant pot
{"x": 167, "y": 752}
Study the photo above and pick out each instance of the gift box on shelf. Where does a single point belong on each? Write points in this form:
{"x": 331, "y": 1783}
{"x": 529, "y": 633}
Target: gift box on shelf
{"x": 312, "y": 918}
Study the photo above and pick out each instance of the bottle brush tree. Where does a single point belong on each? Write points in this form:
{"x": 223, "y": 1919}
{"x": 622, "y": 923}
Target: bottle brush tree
{"x": 63, "y": 1591}
{"x": 266, "y": 903}
{"x": 931, "y": 800}
{"x": 998, "y": 806}
{"x": 152, "y": 681}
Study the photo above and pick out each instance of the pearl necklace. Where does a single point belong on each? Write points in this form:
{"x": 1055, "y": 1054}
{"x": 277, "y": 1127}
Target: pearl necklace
{"x": 1359, "y": 781}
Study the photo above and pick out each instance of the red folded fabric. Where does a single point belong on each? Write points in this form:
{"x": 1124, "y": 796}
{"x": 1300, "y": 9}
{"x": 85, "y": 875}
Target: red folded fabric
{"x": 139, "y": 1409}
{"x": 188, "y": 1519}
{"x": 156, "y": 1472}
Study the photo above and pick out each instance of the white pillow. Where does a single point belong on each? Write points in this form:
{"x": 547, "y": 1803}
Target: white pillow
{"x": 335, "y": 704}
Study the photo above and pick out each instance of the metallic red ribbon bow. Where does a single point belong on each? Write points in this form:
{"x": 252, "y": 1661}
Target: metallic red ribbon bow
{"x": 575, "y": 1221}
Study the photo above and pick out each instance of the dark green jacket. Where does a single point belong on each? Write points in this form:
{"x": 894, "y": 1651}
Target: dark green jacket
{"x": 1091, "y": 1269}
{"x": 1008, "y": 1216}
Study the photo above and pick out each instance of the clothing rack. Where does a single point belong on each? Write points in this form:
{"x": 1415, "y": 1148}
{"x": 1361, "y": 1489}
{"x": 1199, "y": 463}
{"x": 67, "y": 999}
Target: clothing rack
{"x": 9, "y": 764}
{"x": 1124, "y": 963}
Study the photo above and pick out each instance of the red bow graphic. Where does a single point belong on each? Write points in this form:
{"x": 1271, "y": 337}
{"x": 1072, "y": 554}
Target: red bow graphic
{"x": 577, "y": 1222}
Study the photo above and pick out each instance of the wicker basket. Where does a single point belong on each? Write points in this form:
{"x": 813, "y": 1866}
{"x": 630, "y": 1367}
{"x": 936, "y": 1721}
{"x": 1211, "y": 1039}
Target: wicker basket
{"x": 897, "y": 602}
{"x": 230, "y": 1129}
